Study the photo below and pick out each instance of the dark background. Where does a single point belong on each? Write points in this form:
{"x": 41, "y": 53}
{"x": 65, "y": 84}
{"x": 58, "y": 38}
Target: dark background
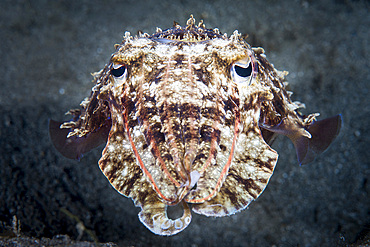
{"x": 48, "y": 50}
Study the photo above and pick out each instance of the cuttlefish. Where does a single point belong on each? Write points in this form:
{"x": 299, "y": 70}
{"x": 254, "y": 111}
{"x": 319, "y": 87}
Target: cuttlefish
{"x": 188, "y": 115}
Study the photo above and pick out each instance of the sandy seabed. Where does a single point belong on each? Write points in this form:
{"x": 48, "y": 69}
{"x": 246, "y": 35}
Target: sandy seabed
{"x": 48, "y": 50}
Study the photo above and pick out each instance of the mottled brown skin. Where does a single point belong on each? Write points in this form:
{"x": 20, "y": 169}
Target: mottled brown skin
{"x": 187, "y": 114}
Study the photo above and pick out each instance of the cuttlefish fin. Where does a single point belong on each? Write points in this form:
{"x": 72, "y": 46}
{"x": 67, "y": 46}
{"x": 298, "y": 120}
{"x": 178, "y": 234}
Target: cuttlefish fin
{"x": 309, "y": 141}
{"x": 73, "y": 147}
{"x": 323, "y": 133}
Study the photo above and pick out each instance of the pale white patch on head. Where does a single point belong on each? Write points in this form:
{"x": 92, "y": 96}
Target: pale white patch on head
{"x": 199, "y": 48}
{"x": 220, "y": 42}
{"x": 142, "y": 42}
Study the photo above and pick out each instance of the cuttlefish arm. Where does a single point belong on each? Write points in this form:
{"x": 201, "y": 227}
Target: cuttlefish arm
{"x": 309, "y": 141}
{"x": 74, "y": 147}
{"x": 121, "y": 165}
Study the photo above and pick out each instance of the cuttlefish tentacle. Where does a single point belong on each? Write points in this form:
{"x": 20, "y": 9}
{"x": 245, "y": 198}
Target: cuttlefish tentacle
{"x": 154, "y": 216}
{"x": 249, "y": 174}
{"x": 119, "y": 166}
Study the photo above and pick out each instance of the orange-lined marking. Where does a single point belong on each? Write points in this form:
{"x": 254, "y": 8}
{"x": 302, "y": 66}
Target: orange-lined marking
{"x": 224, "y": 170}
{"x": 147, "y": 173}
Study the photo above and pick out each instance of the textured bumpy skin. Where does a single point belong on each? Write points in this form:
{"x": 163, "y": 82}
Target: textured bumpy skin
{"x": 188, "y": 115}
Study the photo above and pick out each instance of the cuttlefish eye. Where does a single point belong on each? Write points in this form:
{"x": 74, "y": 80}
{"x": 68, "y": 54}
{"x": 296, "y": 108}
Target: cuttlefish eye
{"x": 119, "y": 74}
{"x": 118, "y": 70}
{"x": 242, "y": 70}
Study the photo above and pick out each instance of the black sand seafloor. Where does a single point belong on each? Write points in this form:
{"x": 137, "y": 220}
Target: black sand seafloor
{"x": 48, "y": 50}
